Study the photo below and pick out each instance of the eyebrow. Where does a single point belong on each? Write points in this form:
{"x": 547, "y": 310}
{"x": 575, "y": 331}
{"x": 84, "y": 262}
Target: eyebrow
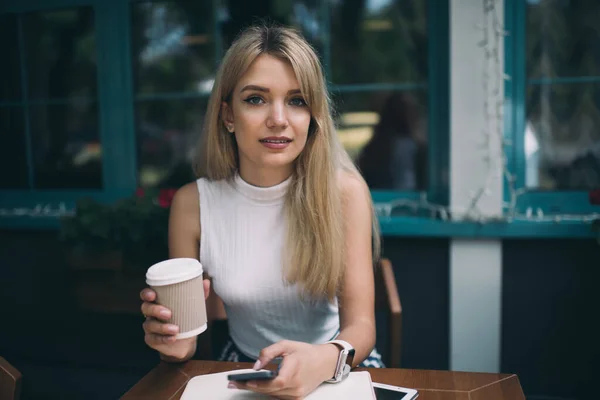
{"x": 265, "y": 90}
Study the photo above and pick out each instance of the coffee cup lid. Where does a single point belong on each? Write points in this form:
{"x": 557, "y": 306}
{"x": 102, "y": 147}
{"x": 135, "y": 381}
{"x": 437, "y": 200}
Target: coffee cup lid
{"x": 173, "y": 271}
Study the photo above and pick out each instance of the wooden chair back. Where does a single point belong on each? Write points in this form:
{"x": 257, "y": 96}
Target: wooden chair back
{"x": 387, "y": 299}
{"x": 10, "y": 381}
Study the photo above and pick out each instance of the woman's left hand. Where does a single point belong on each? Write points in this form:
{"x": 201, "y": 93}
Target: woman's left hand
{"x": 304, "y": 367}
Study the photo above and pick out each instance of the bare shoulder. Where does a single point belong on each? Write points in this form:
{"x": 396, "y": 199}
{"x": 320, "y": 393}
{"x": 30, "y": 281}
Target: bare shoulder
{"x": 186, "y": 198}
{"x": 185, "y": 212}
{"x": 352, "y": 187}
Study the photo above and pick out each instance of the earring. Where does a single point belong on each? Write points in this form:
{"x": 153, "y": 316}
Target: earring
{"x": 230, "y": 128}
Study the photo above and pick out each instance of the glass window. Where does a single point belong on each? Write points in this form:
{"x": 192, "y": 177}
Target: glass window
{"x": 13, "y": 144}
{"x": 167, "y": 133}
{"x": 60, "y": 104}
{"x": 173, "y": 47}
{"x": 305, "y": 15}
{"x": 66, "y": 148}
{"x": 10, "y": 71}
{"x": 60, "y": 49}
{"x": 174, "y": 57}
{"x": 382, "y": 41}
{"x": 562, "y": 131}
{"x": 385, "y": 132}
{"x": 13, "y": 151}
{"x": 379, "y": 67}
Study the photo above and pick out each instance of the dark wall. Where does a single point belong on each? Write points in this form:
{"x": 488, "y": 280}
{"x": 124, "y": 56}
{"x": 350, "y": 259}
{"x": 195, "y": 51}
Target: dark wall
{"x": 31, "y": 271}
{"x": 550, "y": 308}
{"x": 422, "y": 275}
{"x": 62, "y": 353}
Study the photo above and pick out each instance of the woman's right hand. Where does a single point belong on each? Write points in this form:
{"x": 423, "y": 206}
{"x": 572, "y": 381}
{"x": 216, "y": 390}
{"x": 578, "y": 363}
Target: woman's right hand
{"x": 159, "y": 333}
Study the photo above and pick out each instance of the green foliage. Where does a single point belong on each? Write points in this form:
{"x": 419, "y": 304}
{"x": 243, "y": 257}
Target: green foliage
{"x": 137, "y": 227}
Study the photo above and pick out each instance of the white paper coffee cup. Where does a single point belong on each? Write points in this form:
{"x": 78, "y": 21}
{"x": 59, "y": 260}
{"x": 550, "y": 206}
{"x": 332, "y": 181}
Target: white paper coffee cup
{"x": 178, "y": 286}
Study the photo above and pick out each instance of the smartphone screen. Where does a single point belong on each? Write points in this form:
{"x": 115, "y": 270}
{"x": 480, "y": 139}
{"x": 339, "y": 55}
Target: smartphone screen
{"x": 386, "y": 394}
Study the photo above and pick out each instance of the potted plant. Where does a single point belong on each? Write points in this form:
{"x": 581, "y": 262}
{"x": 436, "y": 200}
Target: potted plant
{"x": 109, "y": 247}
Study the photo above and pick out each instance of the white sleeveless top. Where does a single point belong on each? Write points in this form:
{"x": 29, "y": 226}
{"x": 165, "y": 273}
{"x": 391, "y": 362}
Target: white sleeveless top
{"x": 243, "y": 231}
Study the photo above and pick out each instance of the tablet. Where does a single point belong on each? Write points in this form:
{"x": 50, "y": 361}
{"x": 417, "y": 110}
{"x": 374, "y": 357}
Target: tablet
{"x": 388, "y": 392}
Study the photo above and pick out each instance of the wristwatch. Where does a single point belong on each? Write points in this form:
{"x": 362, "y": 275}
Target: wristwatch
{"x": 344, "y": 363}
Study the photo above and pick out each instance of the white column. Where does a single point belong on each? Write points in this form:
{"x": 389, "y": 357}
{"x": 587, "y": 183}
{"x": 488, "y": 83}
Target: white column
{"x": 475, "y": 265}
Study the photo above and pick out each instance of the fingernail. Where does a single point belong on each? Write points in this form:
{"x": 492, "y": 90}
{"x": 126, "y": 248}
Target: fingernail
{"x": 257, "y": 365}
{"x": 165, "y": 313}
{"x": 172, "y": 328}
{"x": 251, "y": 384}
{"x": 231, "y": 385}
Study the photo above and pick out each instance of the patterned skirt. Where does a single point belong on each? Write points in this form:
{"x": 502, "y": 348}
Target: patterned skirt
{"x": 231, "y": 352}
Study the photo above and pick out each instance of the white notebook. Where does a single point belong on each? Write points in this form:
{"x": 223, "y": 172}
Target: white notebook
{"x": 357, "y": 386}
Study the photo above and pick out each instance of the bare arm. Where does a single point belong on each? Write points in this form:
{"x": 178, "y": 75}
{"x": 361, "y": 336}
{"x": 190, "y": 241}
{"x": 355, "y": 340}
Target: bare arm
{"x": 184, "y": 223}
{"x": 184, "y": 235}
{"x": 184, "y": 239}
{"x": 357, "y": 297}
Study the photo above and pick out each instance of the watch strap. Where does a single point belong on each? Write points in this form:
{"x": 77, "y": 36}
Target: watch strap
{"x": 344, "y": 363}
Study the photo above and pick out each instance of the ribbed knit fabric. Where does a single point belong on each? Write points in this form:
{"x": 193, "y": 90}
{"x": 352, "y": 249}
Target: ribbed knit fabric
{"x": 243, "y": 230}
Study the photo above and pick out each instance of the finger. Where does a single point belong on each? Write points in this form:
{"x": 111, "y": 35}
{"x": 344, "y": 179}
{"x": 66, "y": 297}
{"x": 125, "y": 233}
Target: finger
{"x": 156, "y": 311}
{"x": 278, "y": 349}
{"x": 148, "y": 295}
{"x": 206, "y": 283}
{"x": 153, "y": 339}
{"x": 155, "y": 326}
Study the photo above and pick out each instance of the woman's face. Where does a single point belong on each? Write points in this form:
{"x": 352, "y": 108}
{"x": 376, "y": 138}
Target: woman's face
{"x": 268, "y": 116}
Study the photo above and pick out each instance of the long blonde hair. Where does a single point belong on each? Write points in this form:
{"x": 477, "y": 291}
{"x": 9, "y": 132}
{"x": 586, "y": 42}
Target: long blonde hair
{"x": 315, "y": 247}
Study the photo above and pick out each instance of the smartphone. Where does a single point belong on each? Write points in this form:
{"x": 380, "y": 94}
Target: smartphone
{"x": 250, "y": 376}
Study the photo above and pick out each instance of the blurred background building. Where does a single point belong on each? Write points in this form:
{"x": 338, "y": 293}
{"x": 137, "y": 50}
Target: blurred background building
{"x": 99, "y": 99}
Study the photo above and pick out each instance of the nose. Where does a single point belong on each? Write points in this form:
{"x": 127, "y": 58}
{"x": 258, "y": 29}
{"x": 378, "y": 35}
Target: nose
{"x": 277, "y": 117}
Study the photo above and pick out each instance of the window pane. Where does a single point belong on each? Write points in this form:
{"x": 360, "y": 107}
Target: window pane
{"x": 13, "y": 150}
{"x": 167, "y": 133}
{"x": 386, "y": 134}
{"x": 563, "y": 38}
{"x": 304, "y": 15}
{"x": 10, "y": 71}
{"x": 173, "y": 46}
{"x": 378, "y": 41}
{"x": 562, "y": 136}
{"x": 61, "y": 53}
{"x": 66, "y": 146}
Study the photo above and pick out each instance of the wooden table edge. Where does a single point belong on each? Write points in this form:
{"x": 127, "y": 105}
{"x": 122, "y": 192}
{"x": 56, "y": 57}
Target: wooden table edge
{"x": 180, "y": 369}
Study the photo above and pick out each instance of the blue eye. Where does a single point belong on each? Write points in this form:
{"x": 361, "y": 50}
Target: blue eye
{"x": 298, "y": 102}
{"x": 254, "y": 100}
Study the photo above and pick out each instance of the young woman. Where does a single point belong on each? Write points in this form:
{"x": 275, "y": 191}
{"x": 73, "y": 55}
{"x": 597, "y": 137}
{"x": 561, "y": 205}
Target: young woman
{"x": 280, "y": 219}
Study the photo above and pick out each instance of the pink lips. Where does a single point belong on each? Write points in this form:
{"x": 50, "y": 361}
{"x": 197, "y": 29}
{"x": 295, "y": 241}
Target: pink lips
{"x": 276, "y": 142}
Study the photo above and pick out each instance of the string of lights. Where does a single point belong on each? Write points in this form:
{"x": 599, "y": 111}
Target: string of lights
{"x": 39, "y": 211}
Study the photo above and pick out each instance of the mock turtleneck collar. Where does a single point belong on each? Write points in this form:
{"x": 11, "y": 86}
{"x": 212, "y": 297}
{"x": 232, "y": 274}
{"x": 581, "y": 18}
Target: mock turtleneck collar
{"x": 265, "y": 195}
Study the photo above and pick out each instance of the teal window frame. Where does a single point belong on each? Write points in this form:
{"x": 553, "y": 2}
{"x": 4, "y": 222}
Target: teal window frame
{"x": 549, "y": 202}
{"x": 117, "y": 131}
